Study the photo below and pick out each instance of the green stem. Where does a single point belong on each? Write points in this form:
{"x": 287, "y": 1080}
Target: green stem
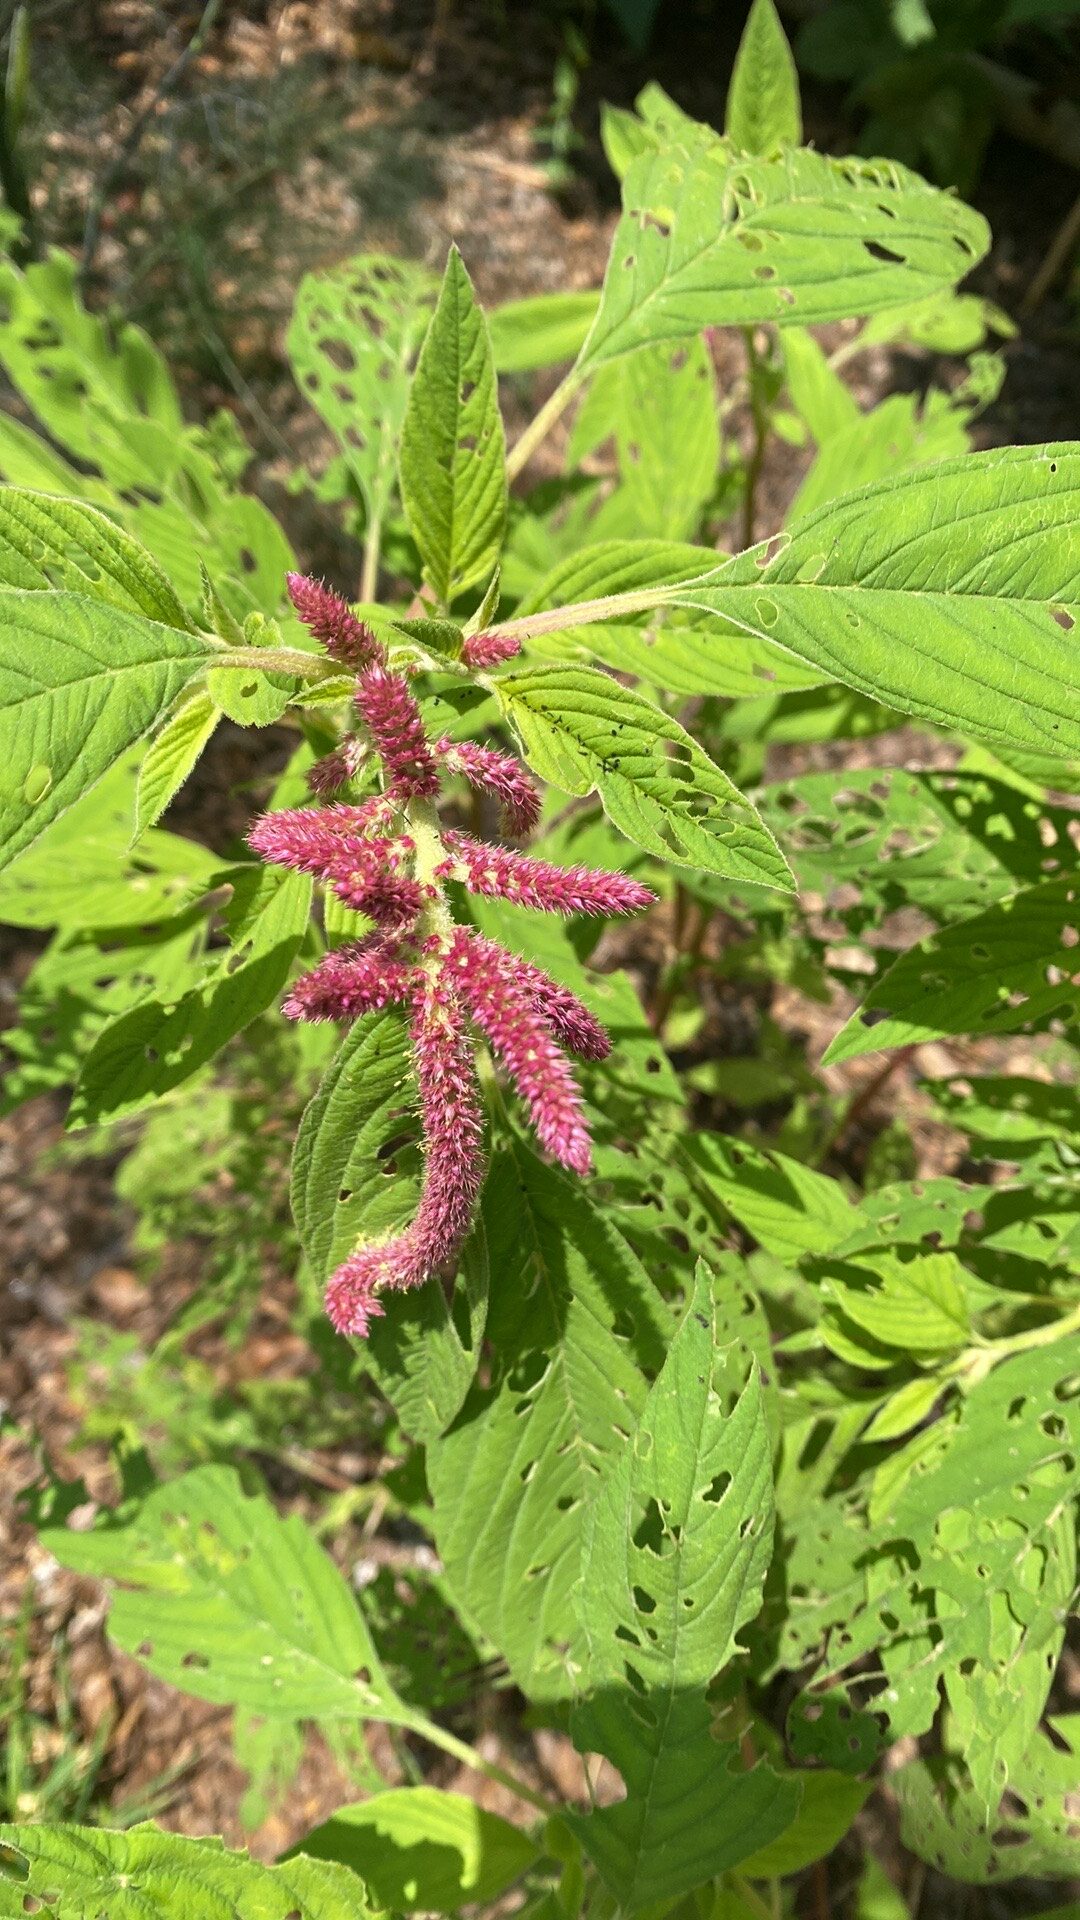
{"x": 460, "y": 1750}
{"x": 539, "y": 428}
{"x": 369, "y": 572}
{"x": 580, "y": 612}
{"x": 757, "y": 456}
{"x": 750, "y": 1899}
{"x": 423, "y": 824}
{"x": 306, "y": 666}
{"x": 976, "y": 1362}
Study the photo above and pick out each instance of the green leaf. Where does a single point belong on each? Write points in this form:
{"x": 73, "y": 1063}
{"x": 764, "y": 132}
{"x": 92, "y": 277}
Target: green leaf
{"x": 353, "y": 338}
{"x": 960, "y": 1573}
{"x": 660, "y": 404}
{"x": 171, "y": 757}
{"x": 224, "y": 1598}
{"x": 790, "y": 1209}
{"x": 79, "y": 1873}
{"x": 827, "y": 1808}
{"x": 622, "y": 136}
{"x": 917, "y": 1305}
{"x": 904, "y": 430}
{"x": 676, "y": 1549}
{"x": 83, "y": 981}
{"x": 108, "y": 883}
{"x": 944, "y": 592}
{"x": 582, "y": 731}
{"x": 763, "y": 109}
{"x": 877, "y": 1898}
{"x": 709, "y": 237}
{"x": 541, "y": 330}
{"x": 248, "y": 696}
{"x": 47, "y": 542}
{"x": 1009, "y": 970}
{"x": 419, "y": 1849}
{"x": 453, "y": 451}
{"x": 908, "y": 1407}
{"x": 79, "y": 683}
{"x": 424, "y": 1353}
{"x": 573, "y": 1322}
{"x": 159, "y": 1044}
{"x": 1008, "y": 1117}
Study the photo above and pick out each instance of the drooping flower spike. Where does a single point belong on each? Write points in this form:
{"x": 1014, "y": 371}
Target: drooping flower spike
{"x": 388, "y": 859}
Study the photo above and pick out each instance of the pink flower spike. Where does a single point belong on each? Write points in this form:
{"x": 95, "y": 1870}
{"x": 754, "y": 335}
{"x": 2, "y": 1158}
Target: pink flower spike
{"x": 336, "y": 769}
{"x": 497, "y": 774}
{"x": 350, "y": 1295}
{"x": 500, "y": 1000}
{"x": 394, "y": 722}
{"x": 311, "y": 838}
{"x": 354, "y": 980}
{"x": 345, "y": 638}
{"x": 453, "y": 1124}
{"x": 391, "y": 900}
{"x": 501, "y": 873}
{"x": 453, "y": 1172}
{"x": 479, "y": 650}
{"x": 571, "y": 1023}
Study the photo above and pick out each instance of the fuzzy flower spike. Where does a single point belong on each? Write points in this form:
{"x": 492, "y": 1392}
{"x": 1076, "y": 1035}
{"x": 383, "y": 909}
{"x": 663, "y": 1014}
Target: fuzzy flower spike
{"x": 389, "y": 859}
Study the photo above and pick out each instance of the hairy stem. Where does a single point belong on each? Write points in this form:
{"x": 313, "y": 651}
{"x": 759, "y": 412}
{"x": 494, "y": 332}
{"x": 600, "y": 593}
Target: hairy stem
{"x": 539, "y": 428}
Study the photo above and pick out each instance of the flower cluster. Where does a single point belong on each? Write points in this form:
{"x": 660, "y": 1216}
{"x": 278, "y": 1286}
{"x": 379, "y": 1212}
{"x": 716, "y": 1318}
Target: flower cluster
{"x": 389, "y": 859}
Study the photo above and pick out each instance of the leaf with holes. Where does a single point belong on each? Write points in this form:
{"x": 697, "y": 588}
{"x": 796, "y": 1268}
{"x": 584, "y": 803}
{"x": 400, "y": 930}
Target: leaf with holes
{"x": 225, "y": 1599}
{"x": 961, "y": 1570}
{"x": 79, "y": 1871}
{"x": 582, "y": 731}
{"x": 79, "y": 683}
{"x": 677, "y": 1545}
{"x": 943, "y": 841}
{"x": 763, "y": 110}
{"x": 103, "y": 392}
{"x": 354, "y": 335}
{"x": 453, "y": 451}
{"x": 569, "y": 1343}
{"x": 944, "y": 592}
{"x": 945, "y": 1824}
{"x": 1013, "y": 969}
{"x": 711, "y": 238}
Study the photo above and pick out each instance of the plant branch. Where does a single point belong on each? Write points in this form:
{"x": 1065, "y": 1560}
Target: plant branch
{"x": 757, "y": 454}
{"x": 539, "y": 428}
{"x": 369, "y": 572}
{"x": 460, "y": 1750}
{"x": 579, "y": 613}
